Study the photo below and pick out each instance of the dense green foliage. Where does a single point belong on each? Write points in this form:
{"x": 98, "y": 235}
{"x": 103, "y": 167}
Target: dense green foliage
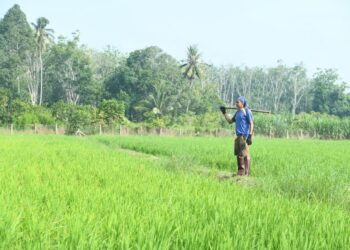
{"x": 16, "y": 42}
{"x": 87, "y": 193}
{"x": 150, "y": 85}
{"x": 313, "y": 125}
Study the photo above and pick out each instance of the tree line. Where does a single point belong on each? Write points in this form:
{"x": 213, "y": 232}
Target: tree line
{"x": 46, "y": 79}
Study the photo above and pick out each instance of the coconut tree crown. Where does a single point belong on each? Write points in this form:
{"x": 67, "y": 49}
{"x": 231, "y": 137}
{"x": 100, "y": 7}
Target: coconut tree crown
{"x": 42, "y": 34}
{"x": 192, "y": 63}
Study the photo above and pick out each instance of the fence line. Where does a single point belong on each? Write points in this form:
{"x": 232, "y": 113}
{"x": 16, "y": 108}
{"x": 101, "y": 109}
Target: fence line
{"x": 110, "y": 130}
{"x": 99, "y": 129}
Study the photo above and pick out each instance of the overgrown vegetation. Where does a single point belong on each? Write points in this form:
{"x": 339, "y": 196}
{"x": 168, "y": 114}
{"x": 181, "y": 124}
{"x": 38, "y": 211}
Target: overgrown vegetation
{"x": 39, "y": 73}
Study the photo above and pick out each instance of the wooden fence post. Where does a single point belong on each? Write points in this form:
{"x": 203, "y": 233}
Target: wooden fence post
{"x": 11, "y": 129}
{"x": 100, "y": 129}
{"x": 56, "y": 129}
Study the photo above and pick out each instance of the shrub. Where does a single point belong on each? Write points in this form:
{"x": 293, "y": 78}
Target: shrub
{"x": 111, "y": 112}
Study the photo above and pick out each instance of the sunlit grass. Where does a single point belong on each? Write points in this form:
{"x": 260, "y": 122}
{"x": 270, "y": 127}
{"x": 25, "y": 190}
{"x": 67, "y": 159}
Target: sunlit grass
{"x": 309, "y": 169}
{"x": 67, "y": 192}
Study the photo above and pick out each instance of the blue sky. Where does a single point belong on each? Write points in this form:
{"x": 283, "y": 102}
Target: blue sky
{"x": 249, "y": 32}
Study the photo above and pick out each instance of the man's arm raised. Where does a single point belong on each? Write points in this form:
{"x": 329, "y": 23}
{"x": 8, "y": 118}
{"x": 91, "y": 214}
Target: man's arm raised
{"x": 227, "y": 117}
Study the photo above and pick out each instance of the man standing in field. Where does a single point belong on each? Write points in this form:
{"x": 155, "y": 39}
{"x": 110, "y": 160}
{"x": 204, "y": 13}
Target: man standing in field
{"x": 244, "y": 131}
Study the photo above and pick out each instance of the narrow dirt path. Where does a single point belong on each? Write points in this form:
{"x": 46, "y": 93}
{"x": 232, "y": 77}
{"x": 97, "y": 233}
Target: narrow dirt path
{"x": 137, "y": 153}
{"x": 202, "y": 170}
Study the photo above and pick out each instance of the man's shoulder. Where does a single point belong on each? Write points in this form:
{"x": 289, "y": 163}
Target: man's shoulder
{"x": 240, "y": 112}
{"x": 248, "y": 111}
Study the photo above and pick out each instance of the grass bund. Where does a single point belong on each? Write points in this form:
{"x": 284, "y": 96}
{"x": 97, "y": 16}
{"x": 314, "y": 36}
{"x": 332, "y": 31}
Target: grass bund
{"x": 59, "y": 192}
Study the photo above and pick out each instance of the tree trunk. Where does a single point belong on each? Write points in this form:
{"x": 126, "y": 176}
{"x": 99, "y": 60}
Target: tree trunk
{"x": 189, "y": 101}
{"x": 41, "y": 78}
{"x": 32, "y": 78}
{"x": 294, "y": 106}
{"x": 188, "y": 106}
{"x": 18, "y": 86}
{"x": 294, "y": 103}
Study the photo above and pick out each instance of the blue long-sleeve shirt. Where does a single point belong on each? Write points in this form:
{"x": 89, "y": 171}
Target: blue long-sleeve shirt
{"x": 243, "y": 119}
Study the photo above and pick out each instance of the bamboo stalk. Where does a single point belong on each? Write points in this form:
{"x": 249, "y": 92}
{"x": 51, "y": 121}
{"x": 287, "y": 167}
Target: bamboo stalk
{"x": 253, "y": 110}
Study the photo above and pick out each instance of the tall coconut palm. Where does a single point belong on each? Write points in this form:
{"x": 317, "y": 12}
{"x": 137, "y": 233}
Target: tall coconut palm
{"x": 43, "y": 36}
{"x": 191, "y": 66}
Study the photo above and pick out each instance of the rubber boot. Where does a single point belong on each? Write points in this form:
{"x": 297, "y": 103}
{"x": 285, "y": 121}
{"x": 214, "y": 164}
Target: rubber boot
{"x": 240, "y": 163}
{"x": 247, "y": 165}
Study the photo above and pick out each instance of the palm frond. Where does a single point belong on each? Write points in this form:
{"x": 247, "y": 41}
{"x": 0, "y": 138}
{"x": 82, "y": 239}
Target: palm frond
{"x": 197, "y": 71}
{"x": 187, "y": 70}
{"x": 183, "y": 65}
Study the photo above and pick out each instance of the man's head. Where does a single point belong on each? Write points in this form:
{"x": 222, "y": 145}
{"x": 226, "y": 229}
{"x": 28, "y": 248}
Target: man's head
{"x": 241, "y": 102}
